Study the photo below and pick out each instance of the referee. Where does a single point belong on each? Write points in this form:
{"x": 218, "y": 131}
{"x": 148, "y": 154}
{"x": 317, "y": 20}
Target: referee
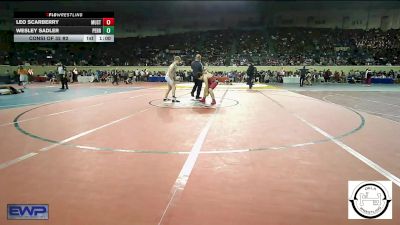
{"x": 197, "y": 68}
{"x": 61, "y": 69}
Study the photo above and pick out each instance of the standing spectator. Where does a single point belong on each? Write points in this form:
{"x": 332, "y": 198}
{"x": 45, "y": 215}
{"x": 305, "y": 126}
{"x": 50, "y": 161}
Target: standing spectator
{"x": 315, "y": 76}
{"x": 61, "y": 69}
{"x": 30, "y": 74}
{"x": 142, "y": 76}
{"x": 303, "y": 73}
{"x": 137, "y": 74}
{"x": 275, "y": 76}
{"x": 75, "y": 75}
{"x": 327, "y": 75}
{"x": 23, "y": 76}
{"x": 251, "y": 71}
{"x": 129, "y": 80}
{"x": 343, "y": 78}
{"x": 69, "y": 76}
{"x": 367, "y": 77}
{"x": 115, "y": 77}
{"x": 96, "y": 76}
{"x": 281, "y": 74}
{"x": 146, "y": 74}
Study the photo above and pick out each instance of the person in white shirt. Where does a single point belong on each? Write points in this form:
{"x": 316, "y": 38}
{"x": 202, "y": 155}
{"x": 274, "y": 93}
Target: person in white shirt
{"x": 281, "y": 75}
{"x": 367, "y": 76}
{"x": 137, "y": 74}
{"x": 142, "y": 75}
{"x": 23, "y": 76}
{"x": 74, "y": 75}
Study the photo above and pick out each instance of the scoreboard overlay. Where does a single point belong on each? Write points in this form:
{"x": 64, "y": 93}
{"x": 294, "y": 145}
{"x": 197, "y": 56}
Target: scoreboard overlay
{"x": 64, "y": 26}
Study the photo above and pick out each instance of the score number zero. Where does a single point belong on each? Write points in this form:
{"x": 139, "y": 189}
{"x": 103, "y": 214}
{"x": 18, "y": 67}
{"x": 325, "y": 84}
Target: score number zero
{"x": 108, "y": 21}
{"x": 108, "y": 25}
{"x": 108, "y": 30}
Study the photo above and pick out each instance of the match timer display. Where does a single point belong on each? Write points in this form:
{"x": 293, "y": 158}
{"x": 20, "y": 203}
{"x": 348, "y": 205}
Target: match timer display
{"x": 64, "y": 26}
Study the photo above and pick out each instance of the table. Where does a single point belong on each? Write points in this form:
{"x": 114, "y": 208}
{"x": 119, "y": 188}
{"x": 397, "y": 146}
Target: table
{"x": 40, "y": 79}
{"x": 222, "y": 79}
{"x": 291, "y": 80}
{"x": 156, "y": 79}
{"x": 382, "y": 80}
{"x": 85, "y": 79}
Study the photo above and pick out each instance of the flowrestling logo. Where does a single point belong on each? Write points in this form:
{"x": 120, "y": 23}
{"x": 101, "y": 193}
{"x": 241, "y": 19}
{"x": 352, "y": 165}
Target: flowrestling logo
{"x": 370, "y": 200}
{"x": 27, "y": 211}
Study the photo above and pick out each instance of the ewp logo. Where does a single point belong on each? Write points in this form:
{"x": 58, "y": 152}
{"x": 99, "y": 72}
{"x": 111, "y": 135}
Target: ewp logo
{"x": 27, "y": 212}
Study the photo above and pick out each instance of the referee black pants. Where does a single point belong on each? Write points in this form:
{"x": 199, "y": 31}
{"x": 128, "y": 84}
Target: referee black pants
{"x": 250, "y": 82}
{"x": 197, "y": 85}
{"x": 302, "y": 78}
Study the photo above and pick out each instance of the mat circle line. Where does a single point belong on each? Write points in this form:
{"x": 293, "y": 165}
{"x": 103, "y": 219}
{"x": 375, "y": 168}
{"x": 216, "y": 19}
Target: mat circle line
{"x": 16, "y": 125}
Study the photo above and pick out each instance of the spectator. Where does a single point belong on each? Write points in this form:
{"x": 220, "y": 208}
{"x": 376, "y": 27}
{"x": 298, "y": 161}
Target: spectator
{"x": 327, "y": 75}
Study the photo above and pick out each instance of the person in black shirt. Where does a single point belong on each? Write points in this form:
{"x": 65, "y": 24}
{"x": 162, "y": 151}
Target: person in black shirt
{"x": 115, "y": 77}
{"x": 251, "y": 71}
{"x": 197, "y": 68}
{"x": 303, "y": 73}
